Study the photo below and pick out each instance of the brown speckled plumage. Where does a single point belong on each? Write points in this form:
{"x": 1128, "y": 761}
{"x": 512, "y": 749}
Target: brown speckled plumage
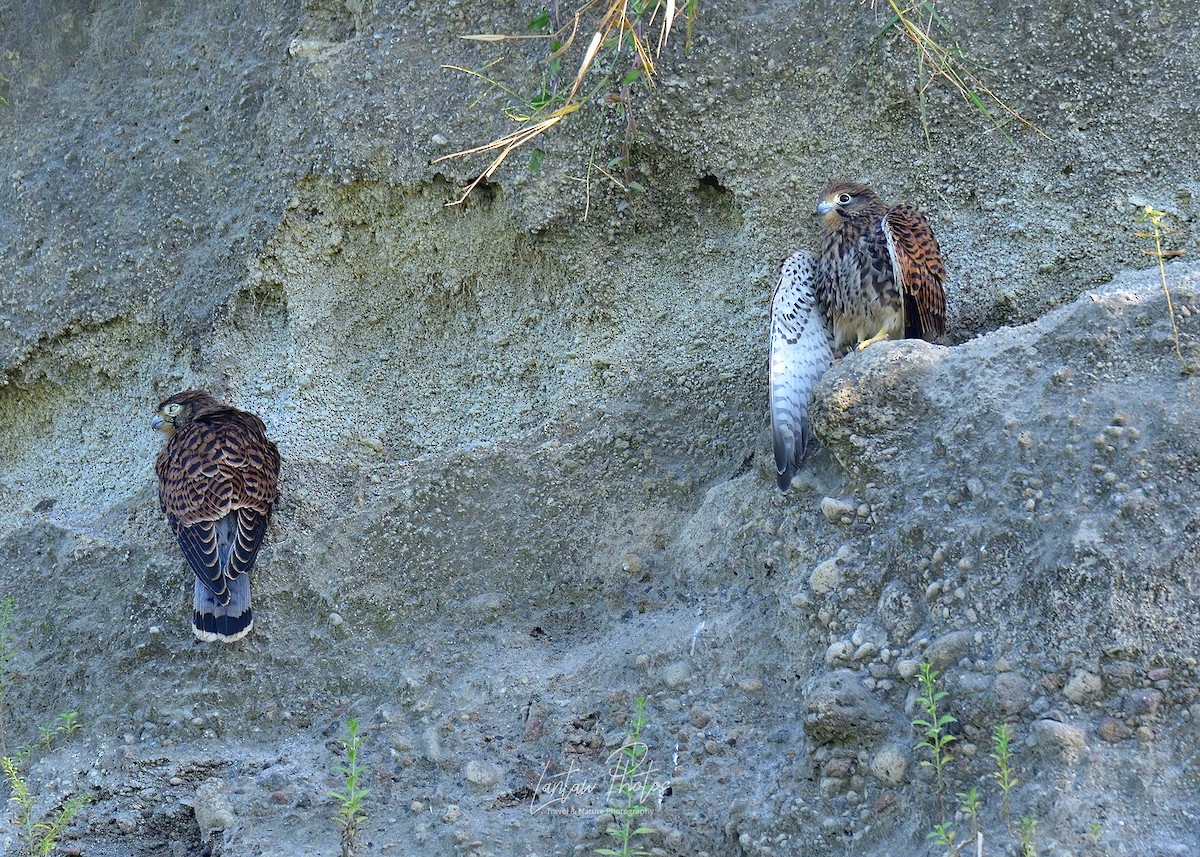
{"x": 881, "y": 273}
{"x": 217, "y": 482}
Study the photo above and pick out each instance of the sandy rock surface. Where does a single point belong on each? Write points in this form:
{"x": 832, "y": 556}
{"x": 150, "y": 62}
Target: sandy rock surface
{"x": 527, "y": 476}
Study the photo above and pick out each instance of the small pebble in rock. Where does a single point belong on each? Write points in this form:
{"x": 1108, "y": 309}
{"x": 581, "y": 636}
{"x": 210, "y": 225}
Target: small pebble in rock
{"x": 481, "y": 774}
{"x": 837, "y": 652}
{"x": 890, "y": 765}
{"x": 751, "y": 685}
{"x": 452, "y": 814}
{"x": 825, "y": 577}
{"x": 676, "y": 674}
{"x": 866, "y": 650}
{"x": 1011, "y": 692}
{"x": 533, "y": 729}
{"x": 948, "y": 648}
{"x": 1083, "y": 687}
{"x": 212, "y": 808}
{"x": 1143, "y": 702}
{"x": 835, "y": 510}
{"x": 1062, "y": 739}
{"x": 1113, "y": 730}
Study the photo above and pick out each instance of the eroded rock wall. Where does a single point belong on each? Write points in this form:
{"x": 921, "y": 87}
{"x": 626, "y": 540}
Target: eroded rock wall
{"x": 526, "y": 466}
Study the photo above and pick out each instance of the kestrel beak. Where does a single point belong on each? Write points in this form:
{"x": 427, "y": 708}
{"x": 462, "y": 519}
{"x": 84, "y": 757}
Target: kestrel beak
{"x": 824, "y": 207}
{"x": 157, "y": 423}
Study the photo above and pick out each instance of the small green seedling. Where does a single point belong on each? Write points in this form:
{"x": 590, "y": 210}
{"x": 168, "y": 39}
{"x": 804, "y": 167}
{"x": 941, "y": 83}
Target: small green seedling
{"x": 933, "y": 725}
{"x": 630, "y": 782}
{"x": 1004, "y": 775}
{"x": 350, "y": 813}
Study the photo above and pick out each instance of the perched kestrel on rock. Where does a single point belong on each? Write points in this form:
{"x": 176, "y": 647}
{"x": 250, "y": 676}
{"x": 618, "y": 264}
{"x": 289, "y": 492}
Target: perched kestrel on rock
{"x": 879, "y": 276}
{"x": 881, "y": 273}
{"x": 218, "y": 478}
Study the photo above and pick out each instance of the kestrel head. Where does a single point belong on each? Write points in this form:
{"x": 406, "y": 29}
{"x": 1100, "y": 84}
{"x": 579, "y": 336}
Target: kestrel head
{"x": 842, "y": 201}
{"x": 177, "y": 411}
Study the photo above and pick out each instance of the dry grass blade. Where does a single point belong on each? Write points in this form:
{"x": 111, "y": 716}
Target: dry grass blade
{"x": 613, "y": 26}
{"x": 507, "y": 145}
{"x": 498, "y": 37}
{"x": 668, "y": 20}
{"x": 1150, "y": 215}
{"x": 946, "y": 63}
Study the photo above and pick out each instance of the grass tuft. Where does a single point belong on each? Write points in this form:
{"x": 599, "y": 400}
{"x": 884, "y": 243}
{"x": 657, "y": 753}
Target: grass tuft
{"x": 940, "y": 56}
{"x": 40, "y": 836}
{"x": 619, "y": 30}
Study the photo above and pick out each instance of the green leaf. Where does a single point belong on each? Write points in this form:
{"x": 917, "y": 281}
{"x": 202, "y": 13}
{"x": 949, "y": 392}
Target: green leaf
{"x": 540, "y": 21}
{"x": 630, "y": 77}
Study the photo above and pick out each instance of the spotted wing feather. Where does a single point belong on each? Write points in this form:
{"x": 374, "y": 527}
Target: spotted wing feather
{"x": 918, "y": 272}
{"x": 800, "y": 354}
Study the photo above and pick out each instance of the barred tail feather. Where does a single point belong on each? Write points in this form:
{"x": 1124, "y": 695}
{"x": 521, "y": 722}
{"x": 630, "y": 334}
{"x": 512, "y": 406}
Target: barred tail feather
{"x": 215, "y": 622}
{"x": 800, "y": 354}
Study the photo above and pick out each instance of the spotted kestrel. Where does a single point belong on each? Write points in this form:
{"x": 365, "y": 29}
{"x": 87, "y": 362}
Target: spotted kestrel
{"x": 881, "y": 272}
{"x": 879, "y": 276}
{"x": 218, "y": 479}
{"x": 800, "y": 353}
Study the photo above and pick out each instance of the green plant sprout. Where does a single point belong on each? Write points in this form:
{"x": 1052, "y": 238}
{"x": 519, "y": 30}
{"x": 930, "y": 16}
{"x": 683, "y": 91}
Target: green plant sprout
{"x": 350, "y": 813}
{"x": 933, "y": 726}
{"x": 1005, "y": 778}
{"x": 943, "y": 835}
{"x": 630, "y": 777}
{"x": 918, "y": 21}
{"x": 40, "y": 837}
{"x": 67, "y": 722}
{"x": 970, "y": 803}
{"x": 1158, "y": 230}
{"x": 1028, "y": 833}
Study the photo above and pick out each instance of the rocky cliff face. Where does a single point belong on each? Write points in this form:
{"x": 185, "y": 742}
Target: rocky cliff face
{"x": 527, "y": 477}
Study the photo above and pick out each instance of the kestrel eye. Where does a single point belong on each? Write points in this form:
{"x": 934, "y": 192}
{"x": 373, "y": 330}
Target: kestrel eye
{"x": 173, "y": 409}
{"x": 843, "y": 199}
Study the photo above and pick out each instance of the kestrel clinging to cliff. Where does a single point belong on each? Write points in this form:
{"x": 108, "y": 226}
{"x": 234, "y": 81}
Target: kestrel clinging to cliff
{"x": 218, "y": 478}
{"x": 881, "y": 273}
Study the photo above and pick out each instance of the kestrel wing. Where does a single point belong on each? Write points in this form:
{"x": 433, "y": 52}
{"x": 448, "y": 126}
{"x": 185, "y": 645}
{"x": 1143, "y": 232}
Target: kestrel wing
{"x": 248, "y": 538}
{"x": 200, "y": 546}
{"x": 257, "y": 463}
{"x": 800, "y": 354}
{"x": 918, "y": 270}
